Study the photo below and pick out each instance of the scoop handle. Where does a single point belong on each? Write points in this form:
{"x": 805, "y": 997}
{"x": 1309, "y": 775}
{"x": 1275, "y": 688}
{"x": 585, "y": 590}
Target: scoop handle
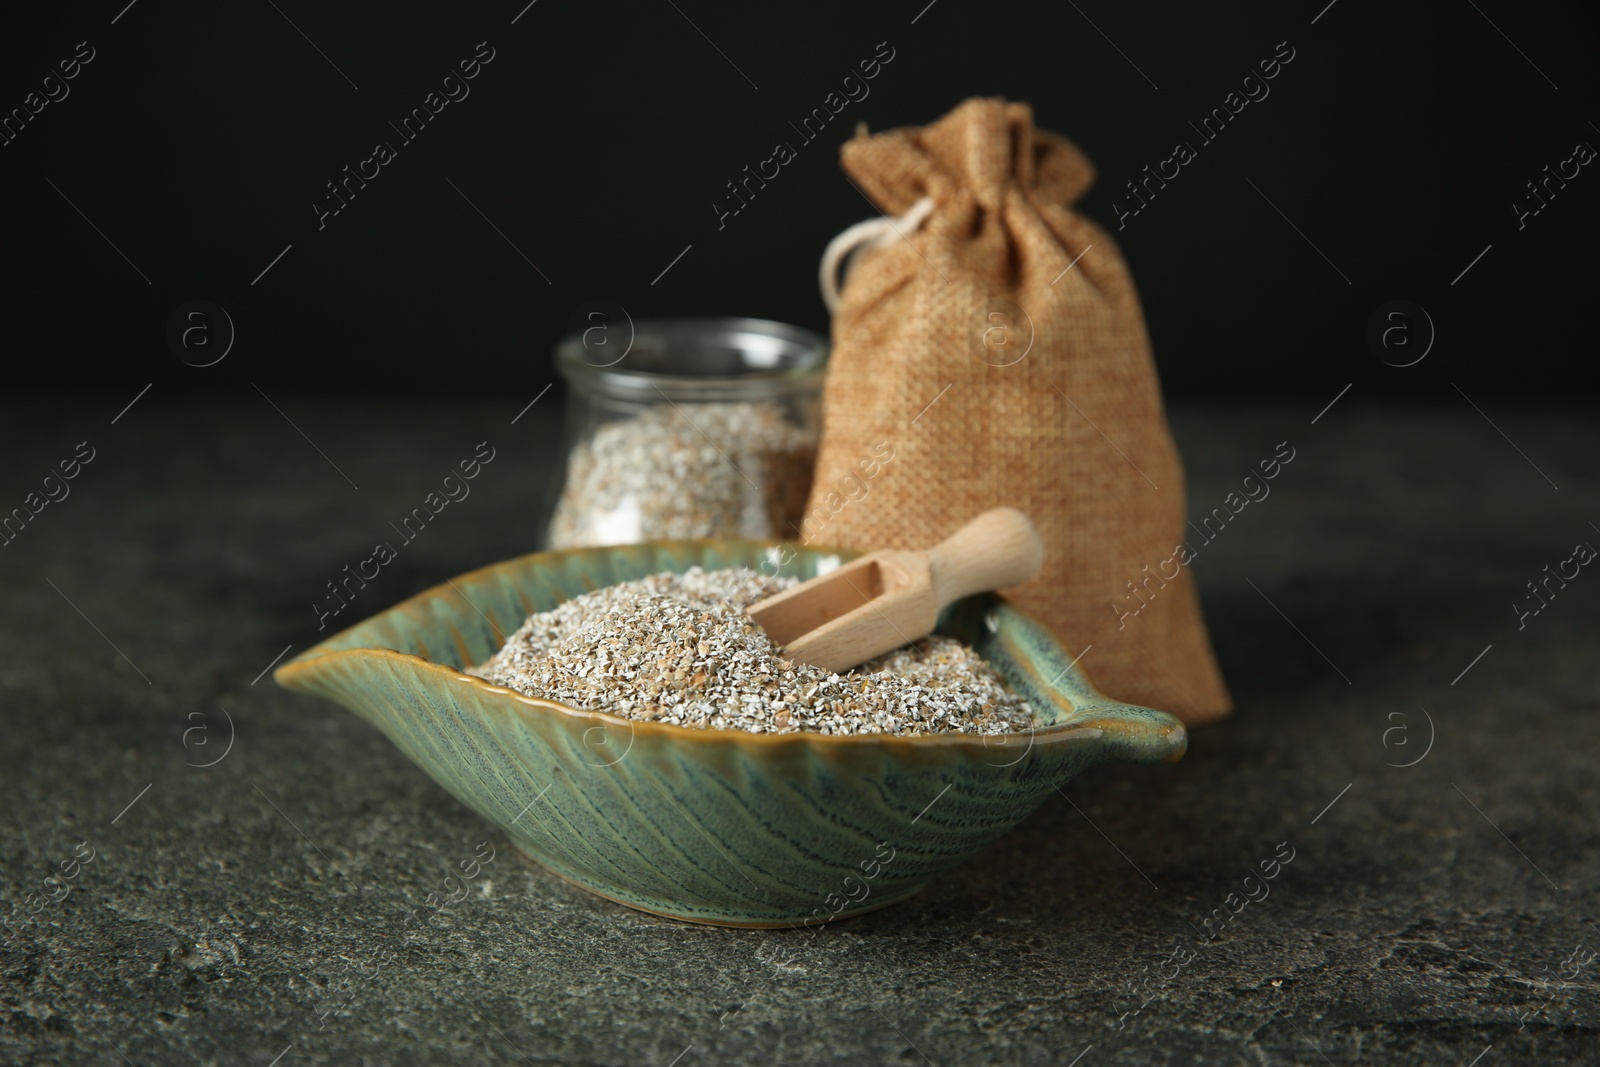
{"x": 996, "y": 550}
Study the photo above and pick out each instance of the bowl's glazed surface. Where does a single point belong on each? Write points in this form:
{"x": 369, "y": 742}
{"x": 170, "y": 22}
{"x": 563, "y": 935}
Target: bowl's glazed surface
{"x": 715, "y": 826}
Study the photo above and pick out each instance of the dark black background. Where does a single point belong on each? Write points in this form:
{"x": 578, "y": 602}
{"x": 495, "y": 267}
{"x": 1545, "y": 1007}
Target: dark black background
{"x": 600, "y": 135}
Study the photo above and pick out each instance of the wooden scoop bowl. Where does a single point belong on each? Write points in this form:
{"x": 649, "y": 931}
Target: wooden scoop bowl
{"x": 891, "y": 598}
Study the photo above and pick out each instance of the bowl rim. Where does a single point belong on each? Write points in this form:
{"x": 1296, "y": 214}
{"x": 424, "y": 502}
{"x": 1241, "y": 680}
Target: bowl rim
{"x": 302, "y": 666}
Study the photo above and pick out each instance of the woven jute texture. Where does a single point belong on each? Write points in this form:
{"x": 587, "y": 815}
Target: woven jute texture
{"x": 998, "y": 356}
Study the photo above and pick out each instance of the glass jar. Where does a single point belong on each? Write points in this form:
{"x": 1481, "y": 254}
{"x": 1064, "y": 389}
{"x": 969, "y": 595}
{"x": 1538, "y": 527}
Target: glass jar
{"x": 683, "y": 428}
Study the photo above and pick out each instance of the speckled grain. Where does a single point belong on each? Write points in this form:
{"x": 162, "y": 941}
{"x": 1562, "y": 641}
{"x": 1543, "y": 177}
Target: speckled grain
{"x": 679, "y": 648}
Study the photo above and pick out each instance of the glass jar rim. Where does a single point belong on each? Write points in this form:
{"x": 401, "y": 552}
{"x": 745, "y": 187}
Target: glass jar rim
{"x": 773, "y": 359}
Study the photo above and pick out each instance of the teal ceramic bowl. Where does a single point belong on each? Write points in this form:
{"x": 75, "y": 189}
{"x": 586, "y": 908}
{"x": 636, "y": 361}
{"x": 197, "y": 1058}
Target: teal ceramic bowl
{"x": 714, "y": 826}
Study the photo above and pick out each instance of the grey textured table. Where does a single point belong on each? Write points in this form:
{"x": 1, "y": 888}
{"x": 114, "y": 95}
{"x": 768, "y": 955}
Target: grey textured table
{"x": 1439, "y": 913}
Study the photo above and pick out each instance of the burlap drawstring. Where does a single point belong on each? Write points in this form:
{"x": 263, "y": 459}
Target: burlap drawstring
{"x": 1070, "y": 431}
{"x": 865, "y": 235}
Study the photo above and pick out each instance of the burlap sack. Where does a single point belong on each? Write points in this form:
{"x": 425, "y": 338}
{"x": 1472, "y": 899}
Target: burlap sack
{"x": 996, "y": 355}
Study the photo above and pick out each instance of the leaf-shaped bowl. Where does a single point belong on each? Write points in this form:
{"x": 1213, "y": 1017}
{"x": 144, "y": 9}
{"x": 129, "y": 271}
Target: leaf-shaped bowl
{"x": 714, "y": 826}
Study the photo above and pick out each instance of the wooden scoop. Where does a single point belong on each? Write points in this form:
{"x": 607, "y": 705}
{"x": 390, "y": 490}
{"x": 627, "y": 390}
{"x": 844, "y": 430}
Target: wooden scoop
{"x": 891, "y": 598}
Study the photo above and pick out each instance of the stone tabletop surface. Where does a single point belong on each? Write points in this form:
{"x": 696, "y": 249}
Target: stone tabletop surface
{"x": 233, "y": 864}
